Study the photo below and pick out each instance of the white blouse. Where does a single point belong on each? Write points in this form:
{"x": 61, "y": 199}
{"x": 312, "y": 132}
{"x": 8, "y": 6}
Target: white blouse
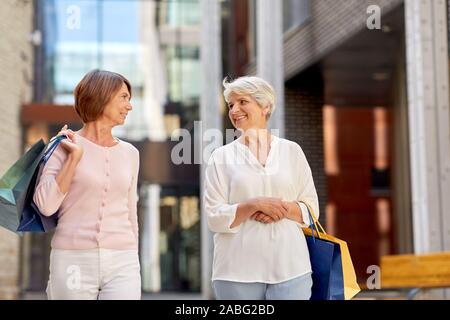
{"x": 254, "y": 251}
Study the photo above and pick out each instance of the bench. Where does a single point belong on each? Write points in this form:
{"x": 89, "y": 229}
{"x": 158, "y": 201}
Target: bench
{"x": 415, "y": 272}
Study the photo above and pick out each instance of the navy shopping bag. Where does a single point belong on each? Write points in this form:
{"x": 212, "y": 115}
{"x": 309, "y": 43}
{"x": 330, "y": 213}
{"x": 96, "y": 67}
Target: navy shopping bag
{"x": 18, "y": 213}
{"x": 326, "y": 264}
{"x": 32, "y": 219}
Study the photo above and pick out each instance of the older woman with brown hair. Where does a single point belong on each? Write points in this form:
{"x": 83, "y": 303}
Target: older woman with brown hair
{"x": 90, "y": 182}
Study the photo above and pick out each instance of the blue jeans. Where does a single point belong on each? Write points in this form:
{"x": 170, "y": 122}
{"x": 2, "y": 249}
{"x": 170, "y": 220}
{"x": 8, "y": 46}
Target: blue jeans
{"x": 295, "y": 289}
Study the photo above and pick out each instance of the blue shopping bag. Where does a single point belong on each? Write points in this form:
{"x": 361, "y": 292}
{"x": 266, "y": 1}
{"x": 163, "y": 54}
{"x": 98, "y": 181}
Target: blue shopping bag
{"x": 326, "y": 264}
{"x": 18, "y": 213}
{"x": 32, "y": 220}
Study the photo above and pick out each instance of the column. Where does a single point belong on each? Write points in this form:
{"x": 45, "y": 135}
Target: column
{"x": 269, "y": 15}
{"x": 428, "y": 107}
{"x": 210, "y": 115}
{"x": 150, "y": 264}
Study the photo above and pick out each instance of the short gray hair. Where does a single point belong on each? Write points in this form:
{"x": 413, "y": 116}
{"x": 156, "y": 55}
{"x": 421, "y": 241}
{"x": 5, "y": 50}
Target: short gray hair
{"x": 258, "y": 88}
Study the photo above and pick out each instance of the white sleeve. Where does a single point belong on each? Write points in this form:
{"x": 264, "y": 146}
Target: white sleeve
{"x": 305, "y": 215}
{"x": 220, "y": 213}
{"x": 307, "y": 191}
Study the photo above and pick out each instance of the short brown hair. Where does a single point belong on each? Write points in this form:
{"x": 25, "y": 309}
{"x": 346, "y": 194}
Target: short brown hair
{"x": 94, "y": 92}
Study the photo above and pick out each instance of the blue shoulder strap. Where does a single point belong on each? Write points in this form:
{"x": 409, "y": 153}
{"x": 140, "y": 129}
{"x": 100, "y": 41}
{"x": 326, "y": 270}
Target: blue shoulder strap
{"x": 53, "y": 145}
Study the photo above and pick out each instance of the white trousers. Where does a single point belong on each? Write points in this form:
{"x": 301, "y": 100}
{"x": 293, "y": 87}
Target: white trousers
{"x": 94, "y": 274}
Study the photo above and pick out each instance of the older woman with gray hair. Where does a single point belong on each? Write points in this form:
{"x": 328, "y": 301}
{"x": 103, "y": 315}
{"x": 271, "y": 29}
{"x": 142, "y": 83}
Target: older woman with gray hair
{"x": 257, "y": 189}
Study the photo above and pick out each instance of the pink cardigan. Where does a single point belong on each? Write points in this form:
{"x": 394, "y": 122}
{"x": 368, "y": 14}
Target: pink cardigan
{"x": 99, "y": 210}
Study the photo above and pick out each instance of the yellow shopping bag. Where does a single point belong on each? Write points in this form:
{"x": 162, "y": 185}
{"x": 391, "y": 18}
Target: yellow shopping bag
{"x": 351, "y": 287}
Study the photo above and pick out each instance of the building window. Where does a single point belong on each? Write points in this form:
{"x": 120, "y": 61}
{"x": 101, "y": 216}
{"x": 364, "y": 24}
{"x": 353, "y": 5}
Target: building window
{"x": 295, "y": 13}
{"x": 179, "y": 13}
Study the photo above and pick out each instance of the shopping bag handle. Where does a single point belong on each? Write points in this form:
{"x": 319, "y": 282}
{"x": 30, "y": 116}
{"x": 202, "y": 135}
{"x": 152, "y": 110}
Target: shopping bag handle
{"x": 54, "y": 144}
{"x": 313, "y": 227}
{"x": 315, "y": 222}
{"x": 54, "y": 138}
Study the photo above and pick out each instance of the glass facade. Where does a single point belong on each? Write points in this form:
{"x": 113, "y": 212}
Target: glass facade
{"x": 87, "y": 35}
{"x": 110, "y": 34}
{"x": 179, "y": 13}
{"x": 179, "y": 241}
{"x": 178, "y": 23}
{"x": 184, "y": 80}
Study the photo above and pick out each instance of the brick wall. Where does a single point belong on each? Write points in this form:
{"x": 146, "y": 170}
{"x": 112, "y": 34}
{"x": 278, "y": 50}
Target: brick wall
{"x": 304, "y": 125}
{"x": 15, "y": 85}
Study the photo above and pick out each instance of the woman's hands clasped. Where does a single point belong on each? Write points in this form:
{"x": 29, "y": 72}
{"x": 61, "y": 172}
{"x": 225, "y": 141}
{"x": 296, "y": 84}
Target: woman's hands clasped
{"x": 270, "y": 210}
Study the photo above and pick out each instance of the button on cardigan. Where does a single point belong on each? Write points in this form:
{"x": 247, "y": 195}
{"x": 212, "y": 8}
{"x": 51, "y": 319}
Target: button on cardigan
{"x": 254, "y": 251}
{"x": 100, "y": 208}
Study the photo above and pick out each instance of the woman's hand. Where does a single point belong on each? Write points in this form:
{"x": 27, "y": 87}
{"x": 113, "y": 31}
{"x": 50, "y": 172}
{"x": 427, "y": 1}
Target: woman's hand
{"x": 263, "y": 209}
{"x": 269, "y": 210}
{"x": 262, "y": 217}
{"x": 71, "y": 145}
{"x": 293, "y": 213}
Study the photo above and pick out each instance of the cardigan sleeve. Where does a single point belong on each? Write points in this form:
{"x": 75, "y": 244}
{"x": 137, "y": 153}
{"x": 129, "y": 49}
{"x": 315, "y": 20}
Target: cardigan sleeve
{"x": 47, "y": 194}
{"x": 220, "y": 214}
{"x": 133, "y": 195}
